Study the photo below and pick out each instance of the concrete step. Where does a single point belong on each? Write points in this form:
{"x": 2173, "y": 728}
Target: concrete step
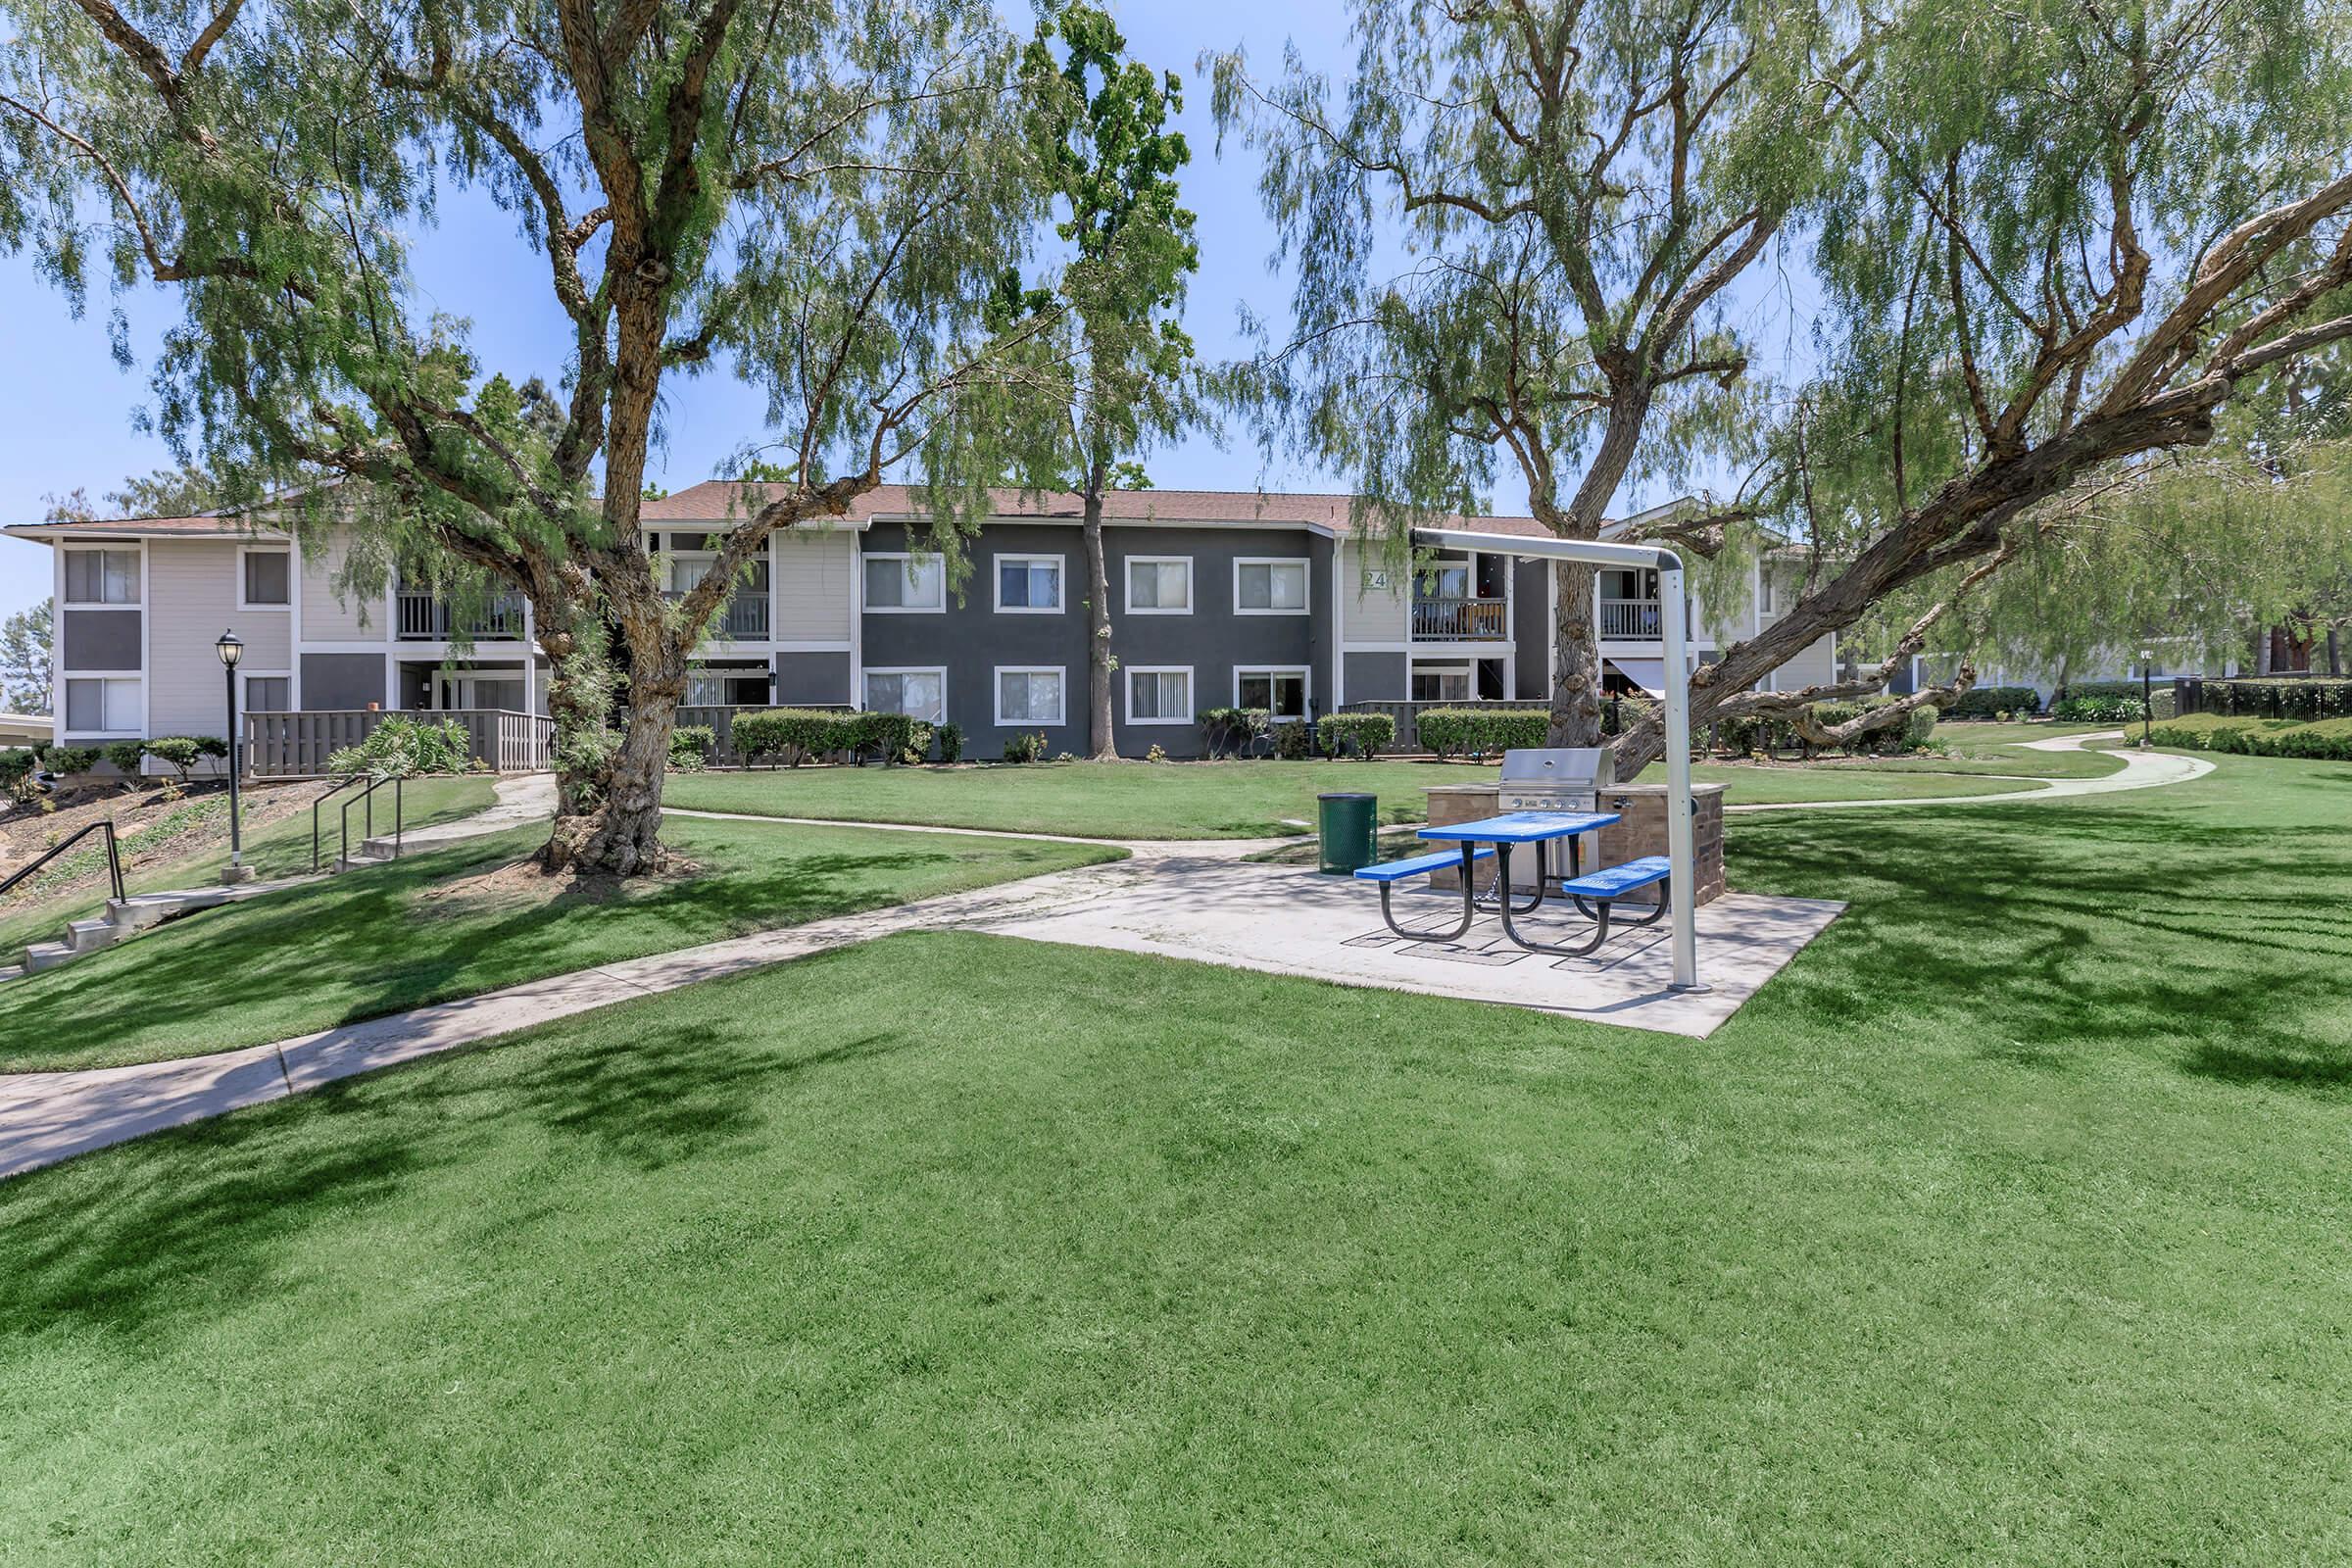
{"x": 88, "y": 936}
{"x": 386, "y": 848}
{"x": 15, "y": 971}
{"x": 361, "y": 860}
{"x": 47, "y": 955}
{"x": 144, "y": 910}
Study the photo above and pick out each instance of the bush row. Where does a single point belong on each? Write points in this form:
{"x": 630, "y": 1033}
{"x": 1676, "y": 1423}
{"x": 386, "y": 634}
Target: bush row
{"x": 2097, "y": 710}
{"x": 1481, "y": 732}
{"x": 1994, "y": 702}
{"x": 793, "y": 735}
{"x": 2306, "y": 697}
{"x": 182, "y": 753}
{"x": 2328, "y": 739}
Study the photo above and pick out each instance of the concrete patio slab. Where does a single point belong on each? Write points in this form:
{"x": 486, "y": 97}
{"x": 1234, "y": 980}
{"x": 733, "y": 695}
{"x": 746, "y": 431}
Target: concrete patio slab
{"x": 1286, "y": 920}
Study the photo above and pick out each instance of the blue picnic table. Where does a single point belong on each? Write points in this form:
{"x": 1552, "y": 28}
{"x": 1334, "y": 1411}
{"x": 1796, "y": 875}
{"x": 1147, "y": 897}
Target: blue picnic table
{"x": 1495, "y": 838}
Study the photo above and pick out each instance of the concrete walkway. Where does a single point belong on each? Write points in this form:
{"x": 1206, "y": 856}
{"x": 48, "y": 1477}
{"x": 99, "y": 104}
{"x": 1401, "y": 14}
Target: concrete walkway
{"x": 2141, "y": 770}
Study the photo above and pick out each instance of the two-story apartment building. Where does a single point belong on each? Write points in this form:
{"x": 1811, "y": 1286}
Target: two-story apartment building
{"x": 1219, "y": 598}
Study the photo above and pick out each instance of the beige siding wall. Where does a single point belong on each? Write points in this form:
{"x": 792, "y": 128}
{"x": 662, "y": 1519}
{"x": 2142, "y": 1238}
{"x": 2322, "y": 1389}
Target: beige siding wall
{"x": 1371, "y": 615}
{"x": 325, "y": 618}
{"x": 1816, "y": 664}
{"x": 815, "y": 590}
{"x": 192, "y": 597}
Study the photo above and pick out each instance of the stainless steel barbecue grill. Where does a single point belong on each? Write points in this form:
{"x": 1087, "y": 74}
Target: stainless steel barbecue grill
{"x": 1553, "y": 778}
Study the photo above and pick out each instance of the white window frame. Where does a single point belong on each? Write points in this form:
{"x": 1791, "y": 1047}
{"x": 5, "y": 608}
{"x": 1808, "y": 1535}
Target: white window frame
{"x": 244, "y": 551}
{"x": 138, "y": 552}
{"x": 1061, "y": 582}
{"x": 902, "y": 557}
{"x": 245, "y": 676}
{"x": 1464, "y": 670}
{"x": 1307, "y": 684}
{"x": 996, "y": 695}
{"x": 65, "y": 704}
{"x": 1191, "y": 695}
{"x": 1306, "y": 584}
{"x": 941, "y": 670}
{"x": 1190, "y": 596}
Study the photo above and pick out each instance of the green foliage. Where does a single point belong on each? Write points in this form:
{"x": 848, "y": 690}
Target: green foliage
{"x": 403, "y": 746}
{"x": 949, "y": 739}
{"x": 2328, "y": 739}
{"x": 1029, "y": 747}
{"x": 17, "y": 763}
{"x": 691, "y": 747}
{"x": 791, "y": 735}
{"x": 1481, "y": 732}
{"x": 67, "y": 760}
{"x": 1988, "y": 702}
{"x": 1364, "y": 735}
{"x": 2097, "y": 710}
{"x": 1294, "y": 740}
{"x": 2306, "y": 697}
{"x": 182, "y": 751}
{"x": 25, "y": 661}
{"x": 1226, "y": 731}
{"x": 893, "y": 738}
{"x": 123, "y": 757}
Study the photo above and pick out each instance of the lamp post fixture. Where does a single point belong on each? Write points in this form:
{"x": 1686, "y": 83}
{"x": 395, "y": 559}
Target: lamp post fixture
{"x": 231, "y": 650}
{"x": 2147, "y": 698}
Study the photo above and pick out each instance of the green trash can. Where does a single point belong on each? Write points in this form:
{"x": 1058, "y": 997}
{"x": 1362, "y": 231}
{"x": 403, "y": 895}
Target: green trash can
{"x": 1348, "y": 821}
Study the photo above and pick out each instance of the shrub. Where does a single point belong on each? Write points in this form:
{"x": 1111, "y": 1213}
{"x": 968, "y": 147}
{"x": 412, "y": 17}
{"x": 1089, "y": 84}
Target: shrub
{"x": 1367, "y": 734}
{"x": 2096, "y": 709}
{"x": 2328, "y": 740}
{"x": 1994, "y": 702}
{"x": 1294, "y": 741}
{"x": 949, "y": 739}
{"x": 2304, "y": 698}
{"x": 1026, "y": 748}
{"x": 123, "y": 757}
{"x": 180, "y": 753}
{"x": 691, "y": 747}
{"x": 893, "y": 738}
{"x": 16, "y": 768}
{"x": 1157, "y": 753}
{"x": 1480, "y": 731}
{"x": 1225, "y": 731}
{"x": 211, "y": 746}
{"x": 790, "y": 734}
{"x": 400, "y": 747}
{"x": 70, "y": 759}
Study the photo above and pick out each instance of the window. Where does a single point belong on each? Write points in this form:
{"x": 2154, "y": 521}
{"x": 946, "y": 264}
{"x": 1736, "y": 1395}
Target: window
{"x": 899, "y": 583}
{"x": 1448, "y": 684}
{"x": 101, "y": 576}
{"x": 268, "y": 693}
{"x": 1029, "y": 696}
{"x": 1280, "y": 691}
{"x": 917, "y": 693}
{"x": 1269, "y": 587}
{"x": 1159, "y": 585}
{"x": 1028, "y": 585}
{"x": 1159, "y": 696}
{"x": 263, "y": 579}
{"x": 107, "y": 707}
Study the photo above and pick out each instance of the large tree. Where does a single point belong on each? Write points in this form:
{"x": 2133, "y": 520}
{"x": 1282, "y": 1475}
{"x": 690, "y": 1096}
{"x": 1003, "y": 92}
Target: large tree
{"x": 818, "y": 193}
{"x": 1099, "y": 123}
{"x": 25, "y": 659}
{"x": 1516, "y": 228}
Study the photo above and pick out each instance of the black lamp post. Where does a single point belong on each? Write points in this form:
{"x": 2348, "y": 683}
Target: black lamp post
{"x": 231, "y": 650}
{"x": 2147, "y": 698}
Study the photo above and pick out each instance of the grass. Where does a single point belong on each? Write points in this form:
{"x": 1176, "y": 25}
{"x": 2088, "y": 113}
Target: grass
{"x": 276, "y": 849}
{"x": 2005, "y": 1226}
{"x": 1186, "y": 800}
{"x": 383, "y": 940}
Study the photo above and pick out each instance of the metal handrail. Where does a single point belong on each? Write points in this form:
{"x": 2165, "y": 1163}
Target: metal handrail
{"x": 367, "y": 797}
{"x": 324, "y": 797}
{"x": 114, "y": 858}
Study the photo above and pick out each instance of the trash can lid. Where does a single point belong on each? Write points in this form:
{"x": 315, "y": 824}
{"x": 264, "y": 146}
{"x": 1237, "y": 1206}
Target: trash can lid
{"x": 1346, "y": 795}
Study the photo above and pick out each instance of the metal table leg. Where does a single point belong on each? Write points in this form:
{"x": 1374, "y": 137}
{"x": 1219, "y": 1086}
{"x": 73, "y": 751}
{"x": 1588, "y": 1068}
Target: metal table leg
{"x": 1469, "y": 905}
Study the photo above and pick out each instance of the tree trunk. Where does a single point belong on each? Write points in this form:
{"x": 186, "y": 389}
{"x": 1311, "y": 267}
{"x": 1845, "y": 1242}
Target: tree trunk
{"x": 1576, "y": 658}
{"x": 2336, "y": 656}
{"x": 1102, "y": 739}
{"x": 620, "y": 834}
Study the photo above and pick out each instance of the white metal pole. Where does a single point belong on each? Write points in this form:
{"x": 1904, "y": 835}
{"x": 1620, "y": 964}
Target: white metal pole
{"x": 1683, "y": 880}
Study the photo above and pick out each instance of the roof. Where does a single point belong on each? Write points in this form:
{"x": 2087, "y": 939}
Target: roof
{"x": 724, "y": 499}
{"x": 228, "y": 528}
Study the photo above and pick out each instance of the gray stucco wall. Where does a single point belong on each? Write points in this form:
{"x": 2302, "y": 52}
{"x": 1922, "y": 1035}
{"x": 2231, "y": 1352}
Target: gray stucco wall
{"x": 812, "y": 679}
{"x": 1379, "y": 677}
{"x": 972, "y": 639}
{"x": 101, "y": 639}
{"x": 342, "y": 681}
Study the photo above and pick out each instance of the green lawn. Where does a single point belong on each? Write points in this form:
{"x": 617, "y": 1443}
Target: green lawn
{"x": 382, "y": 940}
{"x": 1187, "y": 800}
{"x": 2006, "y": 1226}
{"x": 276, "y": 849}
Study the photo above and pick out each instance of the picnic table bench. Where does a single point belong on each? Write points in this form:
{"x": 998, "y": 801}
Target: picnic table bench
{"x": 1592, "y": 895}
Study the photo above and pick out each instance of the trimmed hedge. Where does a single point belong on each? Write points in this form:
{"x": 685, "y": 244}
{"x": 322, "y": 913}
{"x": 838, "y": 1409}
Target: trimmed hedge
{"x": 795, "y": 734}
{"x": 1478, "y": 732}
{"x": 2304, "y": 698}
{"x": 16, "y": 766}
{"x": 691, "y": 747}
{"x": 2325, "y": 740}
{"x": 1365, "y": 734}
{"x": 1225, "y": 731}
{"x": 1991, "y": 701}
{"x": 2079, "y": 709}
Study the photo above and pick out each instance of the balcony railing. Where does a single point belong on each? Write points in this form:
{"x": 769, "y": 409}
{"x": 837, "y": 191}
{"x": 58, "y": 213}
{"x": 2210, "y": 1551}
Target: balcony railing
{"x": 1631, "y": 619}
{"x": 429, "y": 617}
{"x": 743, "y": 618}
{"x": 1458, "y": 620}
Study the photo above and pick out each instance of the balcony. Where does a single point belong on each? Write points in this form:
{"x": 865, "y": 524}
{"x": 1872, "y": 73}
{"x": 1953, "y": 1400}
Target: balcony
{"x": 1459, "y": 620}
{"x": 1630, "y": 620}
{"x": 742, "y": 619}
{"x": 423, "y": 618}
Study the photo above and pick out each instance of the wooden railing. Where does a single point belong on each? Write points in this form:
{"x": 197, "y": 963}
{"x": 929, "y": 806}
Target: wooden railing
{"x": 298, "y": 745}
{"x": 1459, "y": 619}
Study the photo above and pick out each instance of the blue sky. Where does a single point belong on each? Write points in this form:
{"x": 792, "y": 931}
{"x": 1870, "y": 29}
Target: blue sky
{"x": 66, "y": 412}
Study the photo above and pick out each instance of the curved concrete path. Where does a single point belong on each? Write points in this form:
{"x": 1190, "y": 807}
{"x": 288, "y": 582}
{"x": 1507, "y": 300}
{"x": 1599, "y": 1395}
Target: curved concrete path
{"x": 2141, "y": 770}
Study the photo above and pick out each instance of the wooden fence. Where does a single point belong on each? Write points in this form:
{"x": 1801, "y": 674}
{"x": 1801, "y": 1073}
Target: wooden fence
{"x": 297, "y": 744}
